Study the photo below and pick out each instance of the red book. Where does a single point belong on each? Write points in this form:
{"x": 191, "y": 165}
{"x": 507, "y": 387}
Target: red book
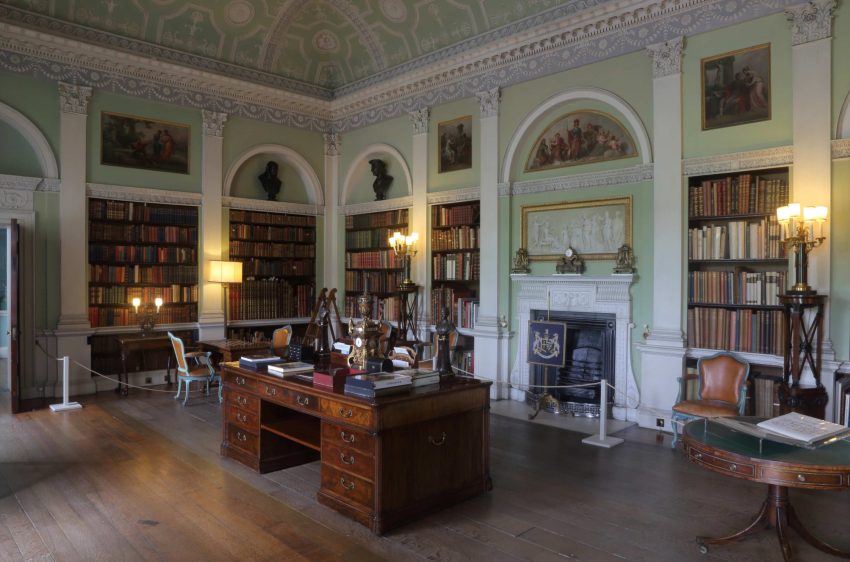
{"x": 335, "y": 378}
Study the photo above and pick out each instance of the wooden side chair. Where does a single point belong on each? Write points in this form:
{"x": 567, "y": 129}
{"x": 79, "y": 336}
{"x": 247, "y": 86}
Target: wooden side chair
{"x": 280, "y": 340}
{"x": 721, "y": 391}
{"x": 199, "y": 370}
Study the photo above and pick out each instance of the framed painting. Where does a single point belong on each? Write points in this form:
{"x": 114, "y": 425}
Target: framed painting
{"x": 736, "y": 87}
{"x": 594, "y": 229}
{"x": 455, "y": 144}
{"x": 148, "y": 144}
{"x": 580, "y": 137}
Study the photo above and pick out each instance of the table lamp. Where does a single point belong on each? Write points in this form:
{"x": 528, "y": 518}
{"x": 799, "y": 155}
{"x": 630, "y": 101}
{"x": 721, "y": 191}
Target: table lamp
{"x": 405, "y": 247}
{"x": 798, "y": 233}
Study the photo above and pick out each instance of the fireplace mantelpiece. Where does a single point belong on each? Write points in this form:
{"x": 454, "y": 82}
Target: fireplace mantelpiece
{"x": 579, "y": 293}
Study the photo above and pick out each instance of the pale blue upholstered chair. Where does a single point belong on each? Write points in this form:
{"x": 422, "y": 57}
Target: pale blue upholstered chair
{"x": 199, "y": 370}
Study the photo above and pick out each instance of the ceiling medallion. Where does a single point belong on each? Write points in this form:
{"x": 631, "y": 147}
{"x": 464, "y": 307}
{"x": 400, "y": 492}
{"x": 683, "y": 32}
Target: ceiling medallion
{"x": 326, "y": 41}
{"x": 394, "y": 10}
{"x": 239, "y": 12}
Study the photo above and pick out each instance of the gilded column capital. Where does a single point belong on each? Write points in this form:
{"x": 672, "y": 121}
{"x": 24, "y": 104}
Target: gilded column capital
{"x": 74, "y": 98}
{"x": 666, "y": 57}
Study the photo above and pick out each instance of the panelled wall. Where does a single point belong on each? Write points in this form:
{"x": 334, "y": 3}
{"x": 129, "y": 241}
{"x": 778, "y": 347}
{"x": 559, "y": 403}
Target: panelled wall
{"x": 330, "y": 177}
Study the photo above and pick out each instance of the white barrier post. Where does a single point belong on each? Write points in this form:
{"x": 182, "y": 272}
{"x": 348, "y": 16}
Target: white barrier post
{"x": 65, "y": 405}
{"x": 603, "y": 439}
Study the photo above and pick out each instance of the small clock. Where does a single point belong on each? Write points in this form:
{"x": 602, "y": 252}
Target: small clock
{"x": 569, "y": 252}
{"x": 358, "y": 342}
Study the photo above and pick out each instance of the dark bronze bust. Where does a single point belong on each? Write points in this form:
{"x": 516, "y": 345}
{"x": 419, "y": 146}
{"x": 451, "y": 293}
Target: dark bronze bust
{"x": 382, "y": 180}
{"x": 270, "y": 181}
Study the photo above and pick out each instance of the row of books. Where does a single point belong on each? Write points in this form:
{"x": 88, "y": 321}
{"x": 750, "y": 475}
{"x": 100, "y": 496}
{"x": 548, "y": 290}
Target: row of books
{"x": 752, "y": 331}
{"x": 99, "y": 316}
{"x": 467, "y": 312}
{"x": 277, "y": 268}
{"x": 269, "y": 298}
{"x": 260, "y": 217}
{"x": 272, "y": 233}
{"x": 124, "y": 295}
{"x": 456, "y": 215}
{"x": 464, "y": 266}
{"x": 161, "y": 274}
{"x": 386, "y": 308}
{"x": 737, "y": 240}
{"x": 377, "y": 281}
{"x": 464, "y": 361}
{"x": 368, "y": 239}
{"x": 271, "y": 249}
{"x": 765, "y": 397}
{"x": 142, "y": 254}
{"x": 448, "y": 297}
{"x": 383, "y": 259}
{"x": 460, "y": 238}
{"x": 129, "y": 233}
{"x": 100, "y": 209}
{"x": 841, "y": 400}
{"x": 736, "y": 287}
{"x": 371, "y": 220}
{"x": 737, "y": 195}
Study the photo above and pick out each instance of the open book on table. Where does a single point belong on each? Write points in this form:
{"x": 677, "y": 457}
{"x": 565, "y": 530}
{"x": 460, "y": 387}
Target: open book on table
{"x": 792, "y": 428}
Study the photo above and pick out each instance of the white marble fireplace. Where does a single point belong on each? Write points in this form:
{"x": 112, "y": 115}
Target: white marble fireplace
{"x": 606, "y": 294}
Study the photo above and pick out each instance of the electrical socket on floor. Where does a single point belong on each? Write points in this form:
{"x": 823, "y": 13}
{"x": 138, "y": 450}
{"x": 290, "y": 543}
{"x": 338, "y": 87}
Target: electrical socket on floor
{"x": 659, "y": 422}
{"x": 148, "y": 380}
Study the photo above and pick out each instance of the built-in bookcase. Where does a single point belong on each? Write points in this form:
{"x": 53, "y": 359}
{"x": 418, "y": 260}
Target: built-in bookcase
{"x": 278, "y": 255}
{"x": 371, "y": 264}
{"x": 455, "y": 273}
{"x": 737, "y": 263}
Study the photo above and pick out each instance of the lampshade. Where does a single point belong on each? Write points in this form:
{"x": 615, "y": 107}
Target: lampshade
{"x": 225, "y": 271}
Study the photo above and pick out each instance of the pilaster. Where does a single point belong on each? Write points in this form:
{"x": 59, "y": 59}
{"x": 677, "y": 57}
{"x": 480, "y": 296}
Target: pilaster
{"x": 211, "y": 311}
{"x": 663, "y": 353}
{"x": 418, "y": 220}
{"x": 333, "y": 217}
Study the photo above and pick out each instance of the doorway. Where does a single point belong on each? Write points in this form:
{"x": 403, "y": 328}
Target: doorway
{"x": 5, "y": 268}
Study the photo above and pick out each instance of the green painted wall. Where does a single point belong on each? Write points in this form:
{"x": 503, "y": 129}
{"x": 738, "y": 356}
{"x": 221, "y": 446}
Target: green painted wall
{"x": 459, "y": 178}
{"x": 38, "y": 100}
{"x": 397, "y": 133}
{"x": 17, "y": 158}
{"x": 135, "y": 177}
{"x": 839, "y": 250}
{"x": 245, "y": 183}
{"x": 840, "y": 72}
{"x": 47, "y": 257}
{"x": 774, "y": 132}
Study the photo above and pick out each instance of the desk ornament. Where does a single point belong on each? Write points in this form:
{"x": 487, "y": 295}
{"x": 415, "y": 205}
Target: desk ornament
{"x": 365, "y": 334}
{"x": 570, "y": 263}
{"x": 444, "y": 328}
{"x": 521, "y": 262}
{"x": 625, "y": 260}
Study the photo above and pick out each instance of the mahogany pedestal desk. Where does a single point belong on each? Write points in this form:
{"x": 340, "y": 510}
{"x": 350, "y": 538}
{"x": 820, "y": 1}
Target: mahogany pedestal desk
{"x": 384, "y": 461}
{"x": 780, "y": 466}
{"x": 803, "y": 318}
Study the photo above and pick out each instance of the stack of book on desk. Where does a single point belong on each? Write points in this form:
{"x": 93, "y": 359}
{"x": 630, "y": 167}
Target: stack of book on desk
{"x": 258, "y": 362}
{"x": 371, "y": 385}
{"x": 290, "y": 368}
{"x": 421, "y": 377}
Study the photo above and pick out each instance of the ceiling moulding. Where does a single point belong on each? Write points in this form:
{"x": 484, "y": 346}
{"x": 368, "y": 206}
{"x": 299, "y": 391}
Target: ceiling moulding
{"x": 454, "y": 196}
{"x": 623, "y": 176}
{"x": 738, "y": 161}
{"x": 58, "y": 58}
{"x": 611, "y": 30}
{"x": 143, "y": 194}
{"x": 840, "y": 148}
{"x": 377, "y": 206}
{"x": 266, "y": 206}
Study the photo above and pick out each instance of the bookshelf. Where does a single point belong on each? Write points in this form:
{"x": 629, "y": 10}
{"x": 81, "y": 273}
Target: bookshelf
{"x": 278, "y": 255}
{"x": 455, "y": 273}
{"x": 371, "y": 263}
{"x": 736, "y": 261}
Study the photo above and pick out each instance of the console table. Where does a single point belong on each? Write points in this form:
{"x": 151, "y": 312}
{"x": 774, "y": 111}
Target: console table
{"x": 718, "y": 448}
{"x": 134, "y": 343}
{"x": 385, "y": 461}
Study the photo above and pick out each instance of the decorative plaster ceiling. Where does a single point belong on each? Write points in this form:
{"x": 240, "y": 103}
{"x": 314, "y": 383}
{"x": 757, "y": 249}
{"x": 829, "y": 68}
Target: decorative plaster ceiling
{"x": 325, "y": 44}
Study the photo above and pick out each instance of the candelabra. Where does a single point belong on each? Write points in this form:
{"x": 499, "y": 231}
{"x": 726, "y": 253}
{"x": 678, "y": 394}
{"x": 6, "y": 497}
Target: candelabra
{"x": 798, "y": 232}
{"x": 405, "y": 248}
{"x": 147, "y": 318}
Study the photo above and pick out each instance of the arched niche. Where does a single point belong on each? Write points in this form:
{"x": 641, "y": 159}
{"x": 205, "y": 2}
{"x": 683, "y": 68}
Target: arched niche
{"x": 548, "y": 110}
{"x": 359, "y": 178}
{"x": 34, "y": 137}
{"x": 252, "y": 163}
{"x": 843, "y": 131}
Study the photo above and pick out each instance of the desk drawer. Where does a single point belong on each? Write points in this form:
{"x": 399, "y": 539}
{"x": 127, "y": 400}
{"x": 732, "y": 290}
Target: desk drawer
{"x": 243, "y": 418}
{"x": 235, "y": 380}
{"x": 243, "y": 439}
{"x": 348, "y": 438}
{"x": 803, "y": 479}
{"x": 721, "y": 465}
{"x": 349, "y": 488}
{"x": 346, "y": 413}
{"x": 245, "y": 402}
{"x": 349, "y": 460}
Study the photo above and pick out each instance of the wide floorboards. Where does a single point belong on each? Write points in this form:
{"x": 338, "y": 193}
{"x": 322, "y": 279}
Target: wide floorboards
{"x": 141, "y": 479}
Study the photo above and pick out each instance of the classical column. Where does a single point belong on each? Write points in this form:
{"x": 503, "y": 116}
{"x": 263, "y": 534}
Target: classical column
{"x": 211, "y": 311}
{"x": 663, "y": 354}
{"x": 491, "y": 342}
{"x": 73, "y": 326}
{"x": 811, "y": 85}
{"x": 333, "y": 218}
{"x": 418, "y": 221}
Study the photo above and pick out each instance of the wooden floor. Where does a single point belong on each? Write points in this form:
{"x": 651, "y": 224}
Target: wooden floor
{"x": 141, "y": 479}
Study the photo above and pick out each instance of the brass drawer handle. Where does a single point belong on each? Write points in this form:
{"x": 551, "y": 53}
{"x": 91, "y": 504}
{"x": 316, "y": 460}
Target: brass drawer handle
{"x": 348, "y": 485}
{"x": 241, "y": 436}
{"x": 240, "y": 417}
{"x": 303, "y": 400}
{"x": 271, "y": 391}
{"x": 347, "y": 437}
{"x": 240, "y": 380}
{"x": 241, "y": 400}
{"x": 346, "y": 460}
{"x": 733, "y": 467}
{"x": 698, "y": 456}
{"x": 435, "y": 442}
{"x": 801, "y": 477}
{"x": 346, "y": 413}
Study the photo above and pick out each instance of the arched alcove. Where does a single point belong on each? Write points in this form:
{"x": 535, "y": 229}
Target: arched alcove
{"x": 287, "y": 157}
{"x": 359, "y": 169}
{"x": 843, "y": 131}
{"x": 34, "y": 137}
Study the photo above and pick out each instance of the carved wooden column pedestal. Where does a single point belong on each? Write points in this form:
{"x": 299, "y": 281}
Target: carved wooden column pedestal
{"x": 803, "y": 317}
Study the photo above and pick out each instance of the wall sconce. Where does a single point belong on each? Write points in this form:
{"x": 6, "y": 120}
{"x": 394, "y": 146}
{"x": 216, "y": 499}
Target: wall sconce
{"x": 147, "y": 318}
{"x": 798, "y": 233}
{"x": 405, "y": 247}
{"x": 225, "y": 272}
